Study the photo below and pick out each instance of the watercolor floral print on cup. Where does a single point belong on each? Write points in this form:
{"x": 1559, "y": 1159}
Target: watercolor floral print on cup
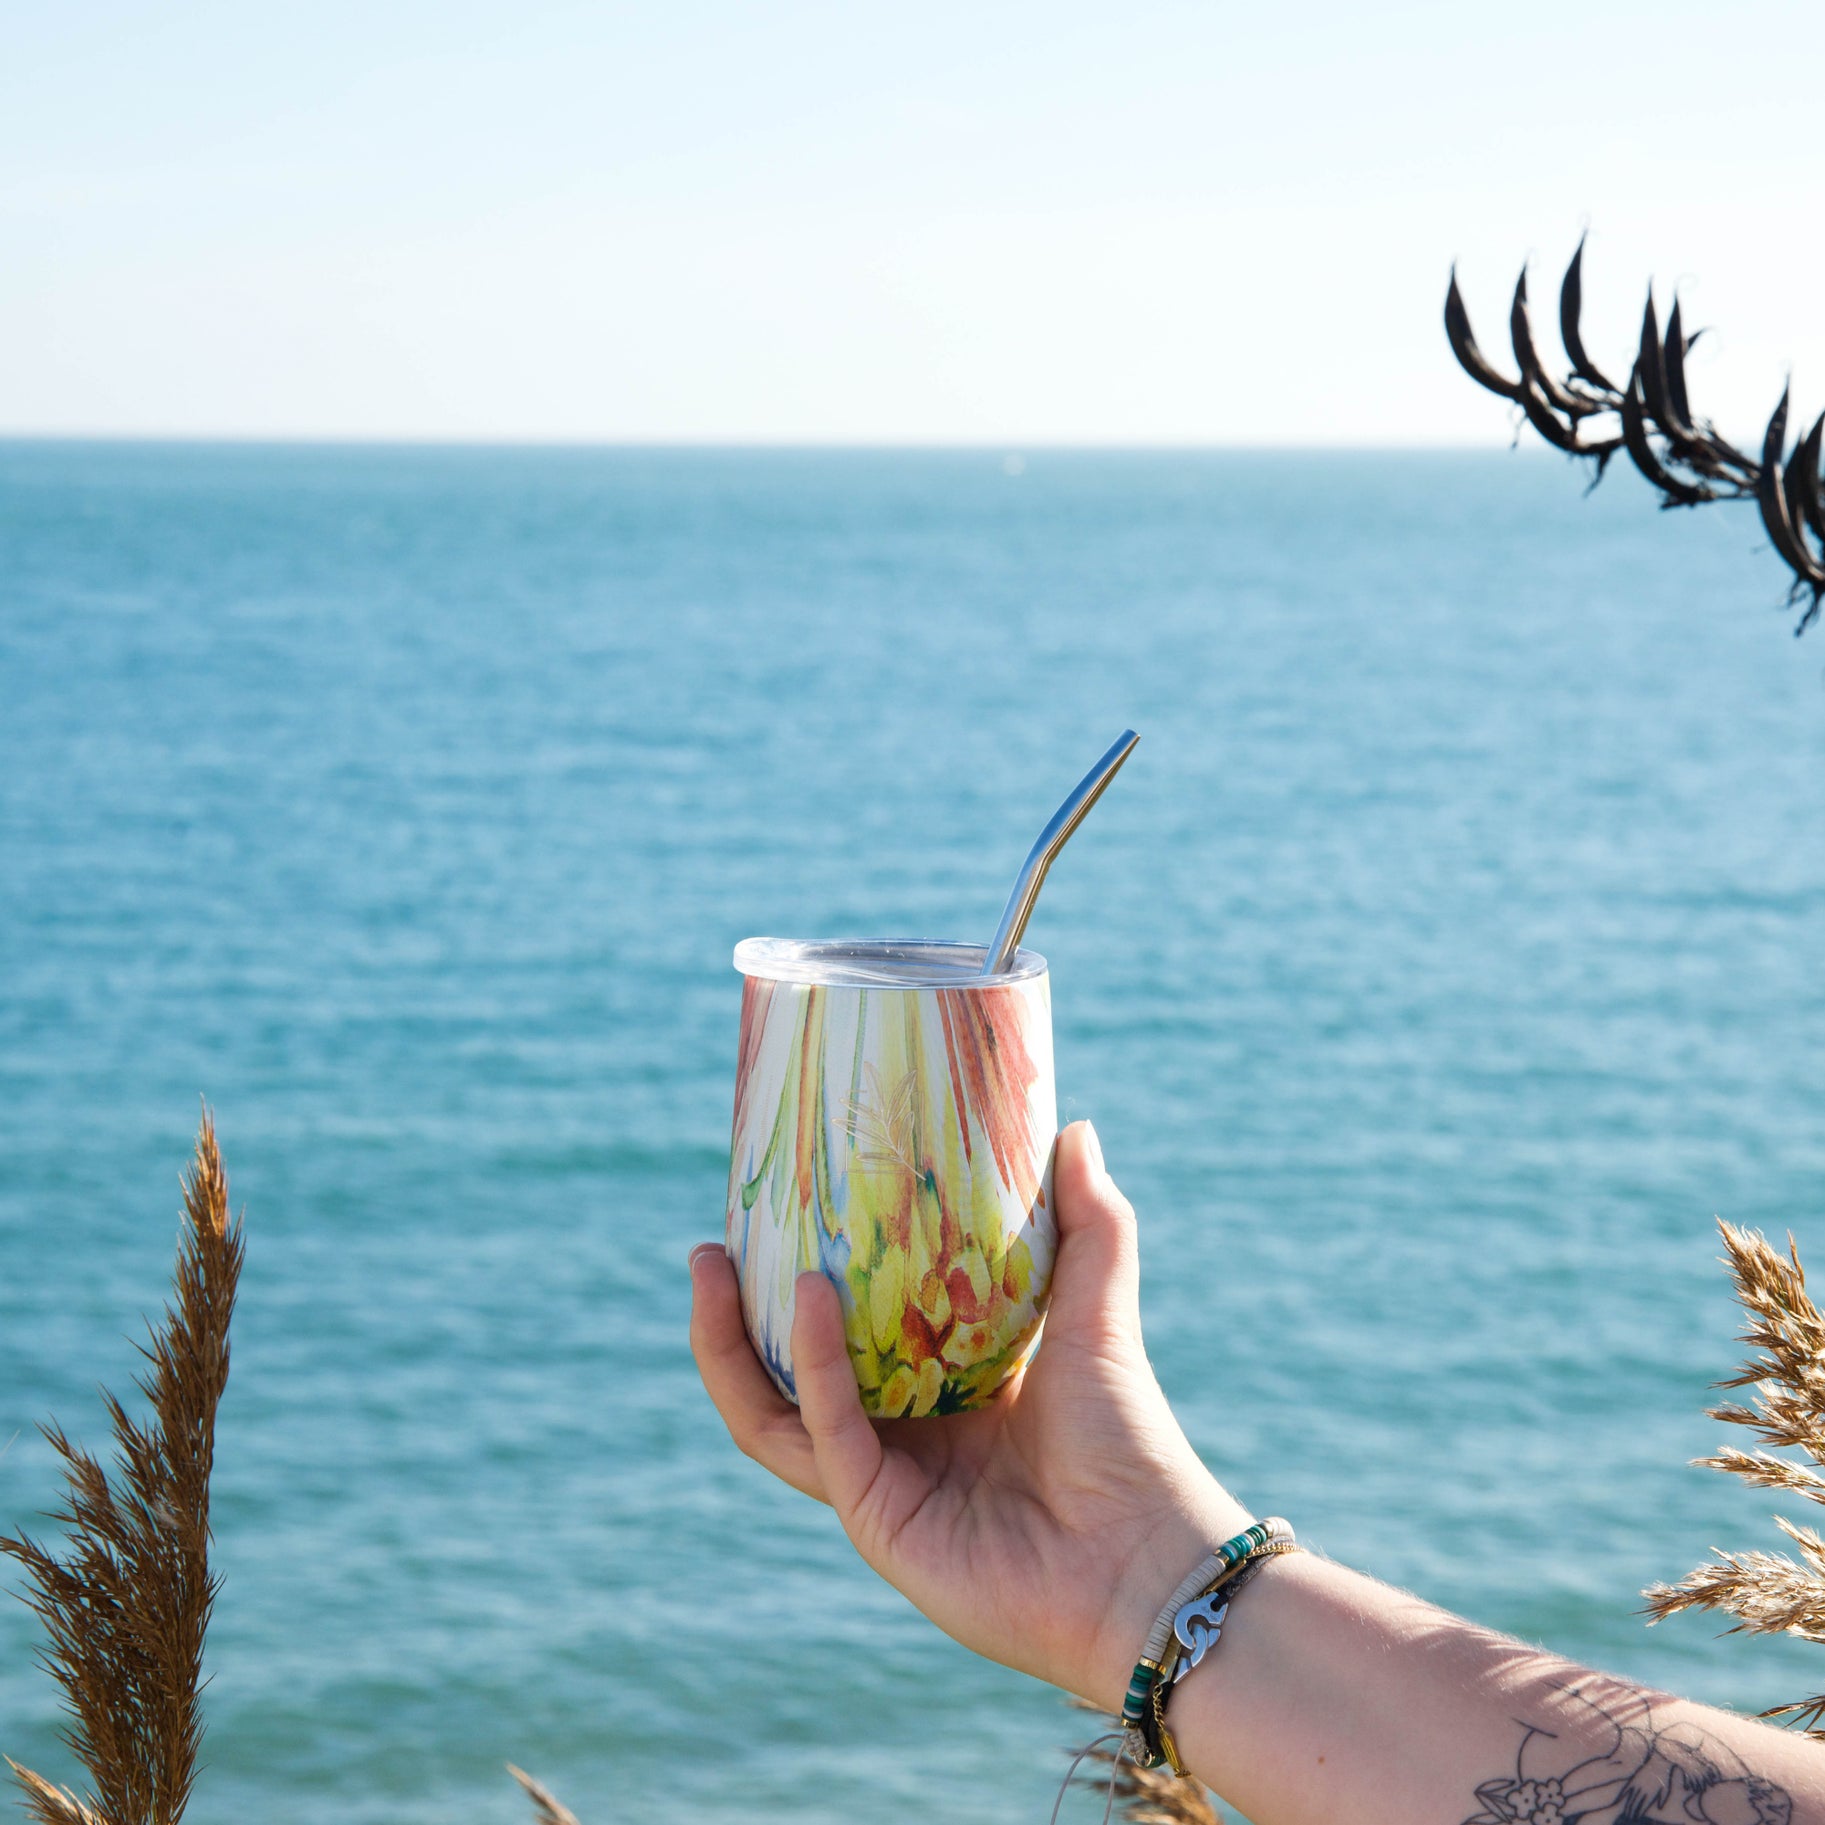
{"x": 899, "y": 1141}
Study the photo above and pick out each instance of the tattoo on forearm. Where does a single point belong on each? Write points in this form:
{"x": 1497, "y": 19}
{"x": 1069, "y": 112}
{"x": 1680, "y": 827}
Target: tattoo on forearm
{"x": 1608, "y": 1760}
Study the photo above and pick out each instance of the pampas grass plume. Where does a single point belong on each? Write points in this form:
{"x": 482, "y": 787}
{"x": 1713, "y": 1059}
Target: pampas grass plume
{"x": 1769, "y": 1593}
{"x": 126, "y": 1604}
{"x": 547, "y": 1808}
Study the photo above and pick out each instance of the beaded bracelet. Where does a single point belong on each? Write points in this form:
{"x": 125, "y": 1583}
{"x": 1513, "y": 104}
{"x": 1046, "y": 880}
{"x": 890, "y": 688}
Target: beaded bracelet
{"x": 1139, "y": 1708}
{"x": 1196, "y": 1630}
{"x": 1220, "y": 1561}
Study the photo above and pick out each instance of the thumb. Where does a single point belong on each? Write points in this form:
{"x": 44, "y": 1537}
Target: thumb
{"x": 1096, "y": 1282}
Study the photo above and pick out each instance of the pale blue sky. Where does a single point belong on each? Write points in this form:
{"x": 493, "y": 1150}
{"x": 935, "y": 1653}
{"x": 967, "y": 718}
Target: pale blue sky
{"x": 1006, "y": 223}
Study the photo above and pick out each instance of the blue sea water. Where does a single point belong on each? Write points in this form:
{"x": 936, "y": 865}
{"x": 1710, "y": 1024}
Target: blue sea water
{"x": 1443, "y": 962}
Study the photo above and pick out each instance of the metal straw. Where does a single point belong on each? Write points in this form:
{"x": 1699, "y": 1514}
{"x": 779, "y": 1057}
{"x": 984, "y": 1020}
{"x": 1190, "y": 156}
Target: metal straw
{"x": 1039, "y": 858}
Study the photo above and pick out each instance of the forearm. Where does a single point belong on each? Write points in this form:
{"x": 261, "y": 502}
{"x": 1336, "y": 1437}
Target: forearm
{"x": 1333, "y": 1698}
{"x": 1047, "y": 1529}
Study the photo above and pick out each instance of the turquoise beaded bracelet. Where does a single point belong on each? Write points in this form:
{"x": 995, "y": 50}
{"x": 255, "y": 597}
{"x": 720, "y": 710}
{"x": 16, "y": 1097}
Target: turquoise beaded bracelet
{"x": 1219, "y": 1565}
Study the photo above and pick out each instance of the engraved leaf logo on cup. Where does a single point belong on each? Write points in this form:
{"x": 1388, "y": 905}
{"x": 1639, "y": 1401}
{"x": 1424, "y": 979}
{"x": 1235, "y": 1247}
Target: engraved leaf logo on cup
{"x": 882, "y": 1122}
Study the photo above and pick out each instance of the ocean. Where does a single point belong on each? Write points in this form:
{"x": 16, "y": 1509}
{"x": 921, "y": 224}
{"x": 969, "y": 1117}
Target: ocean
{"x": 1444, "y": 961}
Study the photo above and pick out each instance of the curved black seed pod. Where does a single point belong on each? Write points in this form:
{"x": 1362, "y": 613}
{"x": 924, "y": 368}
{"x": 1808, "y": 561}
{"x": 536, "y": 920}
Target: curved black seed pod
{"x": 1805, "y": 466}
{"x": 1651, "y": 369}
{"x": 1541, "y": 416}
{"x": 1802, "y": 479}
{"x": 1712, "y": 455}
{"x": 1673, "y": 366}
{"x": 1571, "y": 308}
{"x": 1771, "y": 498}
{"x": 1463, "y": 345}
{"x": 1677, "y": 493}
{"x": 1679, "y": 453}
{"x": 1533, "y": 369}
{"x": 1695, "y": 445}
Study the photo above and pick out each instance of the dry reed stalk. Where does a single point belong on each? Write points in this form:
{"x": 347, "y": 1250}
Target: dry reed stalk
{"x": 1149, "y": 1796}
{"x": 126, "y": 1607}
{"x": 547, "y": 1808}
{"x": 1770, "y": 1593}
{"x": 1153, "y": 1796}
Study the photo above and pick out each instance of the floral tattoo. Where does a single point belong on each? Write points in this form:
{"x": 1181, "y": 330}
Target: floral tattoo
{"x": 1628, "y": 1770}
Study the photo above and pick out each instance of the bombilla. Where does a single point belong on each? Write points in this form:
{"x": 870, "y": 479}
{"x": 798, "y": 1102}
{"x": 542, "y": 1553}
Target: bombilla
{"x": 1052, "y": 839}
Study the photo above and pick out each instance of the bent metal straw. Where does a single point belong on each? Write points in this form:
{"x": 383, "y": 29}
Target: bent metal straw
{"x": 895, "y": 1119}
{"x": 1045, "y": 850}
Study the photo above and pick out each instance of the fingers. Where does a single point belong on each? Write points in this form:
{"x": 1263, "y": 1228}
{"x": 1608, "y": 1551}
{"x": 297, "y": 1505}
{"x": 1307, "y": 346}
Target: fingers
{"x": 1096, "y": 1284}
{"x": 846, "y": 1448}
{"x": 760, "y": 1419}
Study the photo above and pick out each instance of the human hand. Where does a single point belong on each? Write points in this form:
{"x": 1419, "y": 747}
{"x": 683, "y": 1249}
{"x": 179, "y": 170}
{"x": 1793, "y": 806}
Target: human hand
{"x": 1044, "y": 1530}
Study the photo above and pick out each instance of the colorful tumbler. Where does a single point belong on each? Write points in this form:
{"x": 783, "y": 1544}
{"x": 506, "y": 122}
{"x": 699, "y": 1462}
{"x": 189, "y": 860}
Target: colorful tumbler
{"x": 895, "y": 1116}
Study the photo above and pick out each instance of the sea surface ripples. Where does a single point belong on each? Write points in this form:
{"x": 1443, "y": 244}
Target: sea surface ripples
{"x": 1442, "y": 963}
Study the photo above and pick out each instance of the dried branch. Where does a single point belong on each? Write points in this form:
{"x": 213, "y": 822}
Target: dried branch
{"x": 127, "y": 1605}
{"x": 1769, "y": 1593}
{"x": 547, "y": 1809}
{"x": 1682, "y": 456}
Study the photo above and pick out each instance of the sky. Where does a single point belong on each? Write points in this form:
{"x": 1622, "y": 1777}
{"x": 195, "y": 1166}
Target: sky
{"x": 1002, "y": 222}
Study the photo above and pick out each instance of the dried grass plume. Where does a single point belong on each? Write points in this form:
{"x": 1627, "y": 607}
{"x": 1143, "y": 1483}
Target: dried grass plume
{"x": 1154, "y": 1796}
{"x": 1147, "y": 1796}
{"x": 126, "y": 1604}
{"x": 547, "y": 1808}
{"x": 1770, "y": 1593}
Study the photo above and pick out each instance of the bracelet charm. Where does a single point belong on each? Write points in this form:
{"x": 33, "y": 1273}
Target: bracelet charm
{"x": 1186, "y": 1630}
{"x": 1198, "y": 1628}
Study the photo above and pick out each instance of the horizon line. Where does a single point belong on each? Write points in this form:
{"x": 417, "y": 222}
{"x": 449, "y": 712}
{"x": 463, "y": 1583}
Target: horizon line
{"x": 1003, "y": 447}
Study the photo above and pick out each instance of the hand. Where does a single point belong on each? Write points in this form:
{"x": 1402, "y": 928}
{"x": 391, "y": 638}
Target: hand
{"x": 1043, "y": 1531}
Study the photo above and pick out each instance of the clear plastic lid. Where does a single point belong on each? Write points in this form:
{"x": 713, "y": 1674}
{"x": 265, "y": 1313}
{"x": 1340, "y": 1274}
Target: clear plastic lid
{"x": 895, "y": 963}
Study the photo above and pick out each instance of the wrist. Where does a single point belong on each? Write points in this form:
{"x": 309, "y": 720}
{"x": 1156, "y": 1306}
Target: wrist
{"x": 1182, "y": 1533}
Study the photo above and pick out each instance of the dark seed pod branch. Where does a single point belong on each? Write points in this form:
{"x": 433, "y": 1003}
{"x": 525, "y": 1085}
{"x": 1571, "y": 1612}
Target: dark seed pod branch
{"x": 1586, "y": 414}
